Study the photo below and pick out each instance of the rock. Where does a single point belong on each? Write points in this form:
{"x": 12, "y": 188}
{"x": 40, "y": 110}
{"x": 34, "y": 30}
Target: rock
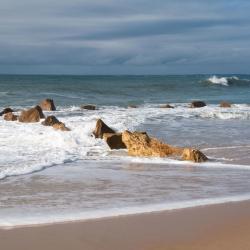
{"x": 114, "y": 141}
{"x": 5, "y": 111}
{"x": 60, "y": 126}
{"x": 31, "y": 115}
{"x": 50, "y": 121}
{"x": 88, "y": 107}
{"x": 102, "y": 128}
{"x": 167, "y": 106}
{"x": 195, "y": 155}
{"x": 225, "y": 104}
{"x": 47, "y": 105}
{"x": 198, "y": 104}
{"x": 132, "y": 106}
{"x": 140, "y": 144}
{"x": 10, "y": 117}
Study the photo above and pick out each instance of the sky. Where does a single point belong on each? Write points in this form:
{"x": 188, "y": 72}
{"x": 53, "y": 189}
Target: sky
{"x": 124, "y": 37}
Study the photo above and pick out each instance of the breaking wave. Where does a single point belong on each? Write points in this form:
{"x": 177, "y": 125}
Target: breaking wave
{"x": 225, "y": 81}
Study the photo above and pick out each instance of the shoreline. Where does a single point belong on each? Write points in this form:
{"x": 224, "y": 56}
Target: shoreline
{"x": 221, "y": 226}
{"x": 133, "y": 211}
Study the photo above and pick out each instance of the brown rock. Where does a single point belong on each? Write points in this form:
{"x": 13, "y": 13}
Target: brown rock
{"x": 114, "y": 141}
{"x": 198, "y": 104}
{"x": 225, "y": 104}
{"x": 195, "y": 155}
{"x": 10, "y": 117}
{"x": 31, "y": 115}
{"x": 167, "y": 106}
{"x": 140, "y": 144}
{"x": 47, "y": 105}
{"x": 88, "y": 107}
{"x": 50, "y": 121}
{"x": 5, "y": 111}
{"x": 102, "y": 128}
{"x": 60, "y": 126}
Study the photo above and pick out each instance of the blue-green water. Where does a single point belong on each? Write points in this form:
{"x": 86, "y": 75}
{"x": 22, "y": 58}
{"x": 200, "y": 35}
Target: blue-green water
{"x": 120, "y": 90}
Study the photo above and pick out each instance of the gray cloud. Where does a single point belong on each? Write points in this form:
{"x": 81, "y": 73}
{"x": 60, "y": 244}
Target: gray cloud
{"x": 114, "y": 36}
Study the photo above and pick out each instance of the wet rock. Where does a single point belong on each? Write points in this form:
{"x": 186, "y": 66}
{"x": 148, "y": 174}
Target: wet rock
{"x": 132, "y": 106}
{"x": 193, "y": 155}
{"x": 88, "y": 107}
{"x": 167, "y": 106}
{"x": 60, "y": 126}
{"x": 140, "y": 144}
{"x": 31, "y": 115}
{"x": 114, "y": 141}
{"x": 50, "y": 121}
{"x": 198, "y": 104}
{"x": 102, "y": 128}
{"x": 47, "y": 105}
{"x": 6, "y": 110}
{"x": 10, "y": 117}
{"x": 225, "y": 104}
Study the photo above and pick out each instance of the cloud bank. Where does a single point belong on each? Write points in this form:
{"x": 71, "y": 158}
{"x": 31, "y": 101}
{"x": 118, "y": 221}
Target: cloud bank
{"x": 124, "y": 37}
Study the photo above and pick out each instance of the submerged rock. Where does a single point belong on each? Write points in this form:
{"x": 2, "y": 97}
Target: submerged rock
{"x": 88, "y": 107}
{"x": 195, "y": 155}
{"x": 102, "y": 128}
{"x": 60, "y": 126}
{"x": 224, "y": 104}
{"x": 131, "y": 106}
{"x": 10, "y": 117}
{"x": 114, "y": 141}
{"x": 50, "y": 121}
{"x": 6, "y": 110}
{"x": 31, "y": 115}
{"x": 167, "y": 106}
{"x": 198, "y": 104}
{"x": 47, "y": 105}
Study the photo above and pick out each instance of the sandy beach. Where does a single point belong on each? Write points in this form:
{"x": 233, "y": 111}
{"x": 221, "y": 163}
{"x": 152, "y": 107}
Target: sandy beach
{"x": 225, "y": 226}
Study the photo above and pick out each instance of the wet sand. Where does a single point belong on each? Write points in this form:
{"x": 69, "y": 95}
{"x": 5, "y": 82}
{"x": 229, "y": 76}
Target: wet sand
{"x": 222, "y": 227}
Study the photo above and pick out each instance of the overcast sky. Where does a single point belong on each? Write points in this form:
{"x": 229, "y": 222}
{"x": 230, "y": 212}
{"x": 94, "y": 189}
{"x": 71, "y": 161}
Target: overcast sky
{"x": 124, "y": 36}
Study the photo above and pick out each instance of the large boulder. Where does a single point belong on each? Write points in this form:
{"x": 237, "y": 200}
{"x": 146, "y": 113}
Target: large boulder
{"x": 31, "y": 115}
{"x": 10, "y": 117}
{"x": 60, "y": 126}
{"x": 6, "y": 110}
{"x": 224, "y": 104}
{"x": 47, "y": 105}
{"x": 50, "y": 121}
{"x": 198, "y": 104}
{"x": 140, "y": 144}
{"x": 88, "y": 107}
{"x": 101, "y": 128}
{"x": 195, "y": 155}
{"x": 114, "y": 141}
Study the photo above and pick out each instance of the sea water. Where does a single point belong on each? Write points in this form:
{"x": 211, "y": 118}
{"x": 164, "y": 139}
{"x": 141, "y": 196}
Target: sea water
{"x": 53, "y": 176}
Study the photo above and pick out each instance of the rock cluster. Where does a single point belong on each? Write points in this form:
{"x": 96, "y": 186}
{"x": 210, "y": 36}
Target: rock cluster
{"x": 141, "y": 145}
{"x": 35, "y": 115}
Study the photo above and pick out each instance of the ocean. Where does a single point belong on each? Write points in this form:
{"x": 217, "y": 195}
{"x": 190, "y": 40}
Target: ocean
{"x": 51, "y": 176}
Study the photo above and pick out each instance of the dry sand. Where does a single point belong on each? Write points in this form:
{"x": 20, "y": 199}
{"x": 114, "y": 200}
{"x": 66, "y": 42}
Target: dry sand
{"x": 215, "y": 227}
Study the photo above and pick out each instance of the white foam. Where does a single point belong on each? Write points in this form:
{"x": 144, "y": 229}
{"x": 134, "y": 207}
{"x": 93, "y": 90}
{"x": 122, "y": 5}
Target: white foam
{"x": 26, "y": 148}
{"x": 218, "y": 80}
{"x": 21, "y": 220}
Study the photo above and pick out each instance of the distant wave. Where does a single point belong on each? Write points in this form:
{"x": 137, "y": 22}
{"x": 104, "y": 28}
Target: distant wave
{"x": 225, "y": 81}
